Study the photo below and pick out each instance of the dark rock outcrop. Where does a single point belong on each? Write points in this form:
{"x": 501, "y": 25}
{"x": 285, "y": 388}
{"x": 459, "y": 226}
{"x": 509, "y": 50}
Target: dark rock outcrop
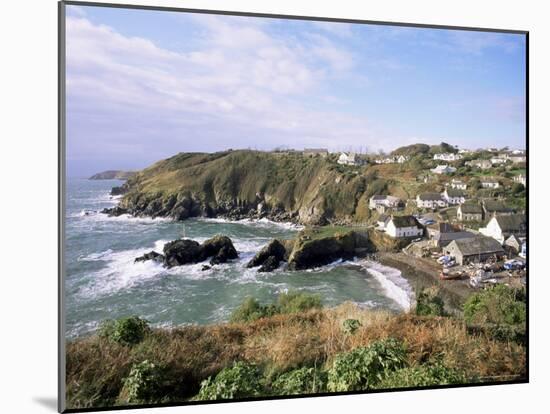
{"x": 186, "y": 251}
{"x": 115, "y": 211}
{"x": 120, "y": 190}
{"x": 269, "y": 264}
{"x": 152, "y": 255}
{"x": 274, "y": 251}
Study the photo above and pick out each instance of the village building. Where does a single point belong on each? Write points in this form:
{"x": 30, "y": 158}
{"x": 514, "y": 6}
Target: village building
{"x": 441, "y": 234}
{"x": 399, "y": 159}
{"x": 502, "y": 227}
{"x": 382, "y": 221}
{"x": 516, "y": 159}
{"x": 469, "y": 212}
{"x": 313, "y": 152}
{"x": 522, "y": 179}
{"x": 498, "y": 161}
{"x": 403, "y": 226}
{"x": 453, "y": 196}
{"x": 459, "y": 185}
{"x": 382, "y": 203}
{"x": 448, "y": 156}
{"x": 482, "y": 164}
{"x": 475, "y": 249}
{"x": 350, "y": 158}
{"x": 430, "y": 200}
{"x": 443, "y": 169}
{"x": 512, "y": 245}
{"x": 518, "y": 152}
{"x": 490, "y": 183}
{"x": 495, "y": 208}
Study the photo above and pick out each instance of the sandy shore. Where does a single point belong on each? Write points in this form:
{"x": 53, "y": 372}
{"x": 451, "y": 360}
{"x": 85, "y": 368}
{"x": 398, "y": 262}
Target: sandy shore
{"x": 422, "y": 273}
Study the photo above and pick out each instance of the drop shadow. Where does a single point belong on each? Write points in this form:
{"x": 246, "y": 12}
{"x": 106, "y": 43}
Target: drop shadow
{"x": 47, "y": 402}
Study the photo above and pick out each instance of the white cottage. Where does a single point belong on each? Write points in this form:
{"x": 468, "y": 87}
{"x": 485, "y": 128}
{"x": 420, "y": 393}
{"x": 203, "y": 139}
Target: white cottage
{"x": 453, "y": 196}
{"x": 502, "y": 227}
{"x": 403, "y": 226}
{"x": 430, "y": 200}
{"x": 443, "y": 169}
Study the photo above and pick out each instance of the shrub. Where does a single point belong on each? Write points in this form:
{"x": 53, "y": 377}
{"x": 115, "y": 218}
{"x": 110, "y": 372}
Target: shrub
{"x": 126, "y": 331}
{"x": 422, "y": 376}
{"x": 300, "y": 381}
{"x": 363, "y": 367}
{"x": 142, "y": 384}
{"x": 501, "y": 311}
{"x": 240, "y": 380}
{"x": 350, "y": 326}
{"x": 290, "y": 302}
{"x": 294, "y": 302}
{"x": 428, "y": 302}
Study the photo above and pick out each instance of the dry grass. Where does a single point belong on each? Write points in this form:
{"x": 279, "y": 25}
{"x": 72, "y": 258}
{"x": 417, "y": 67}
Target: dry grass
{"x": 96, "y": 367}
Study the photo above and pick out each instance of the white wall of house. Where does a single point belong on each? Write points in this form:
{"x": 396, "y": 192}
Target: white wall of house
{"x": 493, "y": 230}
{"x": 430, "y": 203}
{"x": 402, "y": 231}
{"x": 490, "y": 184}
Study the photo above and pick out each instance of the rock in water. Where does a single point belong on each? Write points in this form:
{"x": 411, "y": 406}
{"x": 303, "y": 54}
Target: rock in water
{"x": 274, "y": 249}
{"x": 270, "y": 264}
{"x": 221, "y": 248}
{"x": 152, "y": 255}
{"x": 180, "y": 252}
{"x": 115, "y": 211}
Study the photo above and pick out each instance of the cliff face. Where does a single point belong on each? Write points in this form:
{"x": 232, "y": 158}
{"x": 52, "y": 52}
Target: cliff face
{"x": 239, "y": 184}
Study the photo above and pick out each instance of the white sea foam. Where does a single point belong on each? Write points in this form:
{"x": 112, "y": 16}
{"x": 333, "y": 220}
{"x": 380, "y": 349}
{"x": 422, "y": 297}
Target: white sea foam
{"x": 394, "y": 285}
{"x": 263, "y": 222}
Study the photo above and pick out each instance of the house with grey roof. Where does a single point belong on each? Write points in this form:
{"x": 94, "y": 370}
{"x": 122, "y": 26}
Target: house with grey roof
{"x": 404, "y": 226}
{"x": 454, "y": 196}
{"x": 430, "y": 200}
{"x": 443, "y": 233}
{"x": 469, "y": 212}
{"x": 477, "y": 249}
{"x": 502, "y": 227}
{"x": 495, "y": 207}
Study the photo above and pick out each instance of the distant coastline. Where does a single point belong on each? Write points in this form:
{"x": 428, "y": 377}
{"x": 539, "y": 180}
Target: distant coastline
{"x": 113, "y": 175}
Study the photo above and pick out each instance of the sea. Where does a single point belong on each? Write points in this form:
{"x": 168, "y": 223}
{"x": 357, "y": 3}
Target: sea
{"x": 103, "y": 282}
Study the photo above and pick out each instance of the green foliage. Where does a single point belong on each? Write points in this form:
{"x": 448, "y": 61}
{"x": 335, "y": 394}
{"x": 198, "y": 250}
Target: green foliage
{"x": 501, "y": 310}
{"x": 300, "y": 381}
{"x": 518, "y": 188}
{"x": 240, "y": 380}
{"x": 251, "y": 310}
{"x": 142, "y": 384}
{"x": 293, "y": 302}
{"x": 422, "y": 376}
{"x": 289, "y": 302}
{"x": 125, "y": 331}
{"x": 350, "y": 326}
{"x": 429, "y": 303}
{"x": 364, "y": 367}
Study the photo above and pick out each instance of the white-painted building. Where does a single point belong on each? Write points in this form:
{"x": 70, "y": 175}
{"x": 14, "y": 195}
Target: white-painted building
{"x": 502, "y": 227}
{"x": 490, "y": 184}
{"x": 522, "y": 179}
{"x": 430, "y": 200}
{"x": 448, "y": 156}
{"x": 399, "y": 159}
{"x": 387, "y": 201}
{"x": 482, "y": 164}
{"x": 498, "y": 160}
{"x": 454, "y": 197}
{"x": 443, "y": 169}
{"x": 403, "y": 226}
{"x": 350, "y": 158}
{"x": 459, "y": 185}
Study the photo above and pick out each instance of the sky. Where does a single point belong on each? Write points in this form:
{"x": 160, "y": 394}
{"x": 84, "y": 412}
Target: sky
{"x": 144, "y": 85}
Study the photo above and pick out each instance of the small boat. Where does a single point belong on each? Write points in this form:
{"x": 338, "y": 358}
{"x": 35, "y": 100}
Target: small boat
{"x": 446, "y": 275}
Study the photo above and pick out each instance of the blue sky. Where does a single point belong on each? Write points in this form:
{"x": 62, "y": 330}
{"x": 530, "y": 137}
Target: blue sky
{"x": 144, "y": 85}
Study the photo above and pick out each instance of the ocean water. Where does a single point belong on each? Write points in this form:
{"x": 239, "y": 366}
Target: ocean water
{"x": 103, "y": 282}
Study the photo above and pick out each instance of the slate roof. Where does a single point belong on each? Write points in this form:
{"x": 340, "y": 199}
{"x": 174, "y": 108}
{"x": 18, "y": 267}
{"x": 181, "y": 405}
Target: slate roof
{"x": 514, "y": 223}
{"x": 470, "y": 208}
{"x": 429, "y": 196}
{"x": 451, "y": 192}
{"x": 476, "y": 245}
{"x": 496, "y": 206}
{"x": 405, "y": 221}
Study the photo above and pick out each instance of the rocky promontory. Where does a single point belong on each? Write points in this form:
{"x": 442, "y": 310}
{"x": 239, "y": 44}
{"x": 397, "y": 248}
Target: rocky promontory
{"x": 113, "y": 175}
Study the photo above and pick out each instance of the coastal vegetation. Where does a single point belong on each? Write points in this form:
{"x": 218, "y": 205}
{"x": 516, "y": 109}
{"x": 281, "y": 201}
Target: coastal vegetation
{"x": 293, "y": 346}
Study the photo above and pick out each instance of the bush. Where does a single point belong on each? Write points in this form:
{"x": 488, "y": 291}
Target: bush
{"x": 350, "y": 326}
{"x": 498, "y": 305}
{"x": 142, "y": 384}
{"x": 500, "y": 311}
{"x": 428, "y": 302}
{"x": 291, "y": 302}
{"x": 241, "y": 380}
{"x": 251, "y": 310}
{"x": 364, "y": 367}
{"x": 422, "y": 376}
{"x": 294, "y": 302}
{"x": 300, "y": 381}
{"x": 126, "y": 331}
